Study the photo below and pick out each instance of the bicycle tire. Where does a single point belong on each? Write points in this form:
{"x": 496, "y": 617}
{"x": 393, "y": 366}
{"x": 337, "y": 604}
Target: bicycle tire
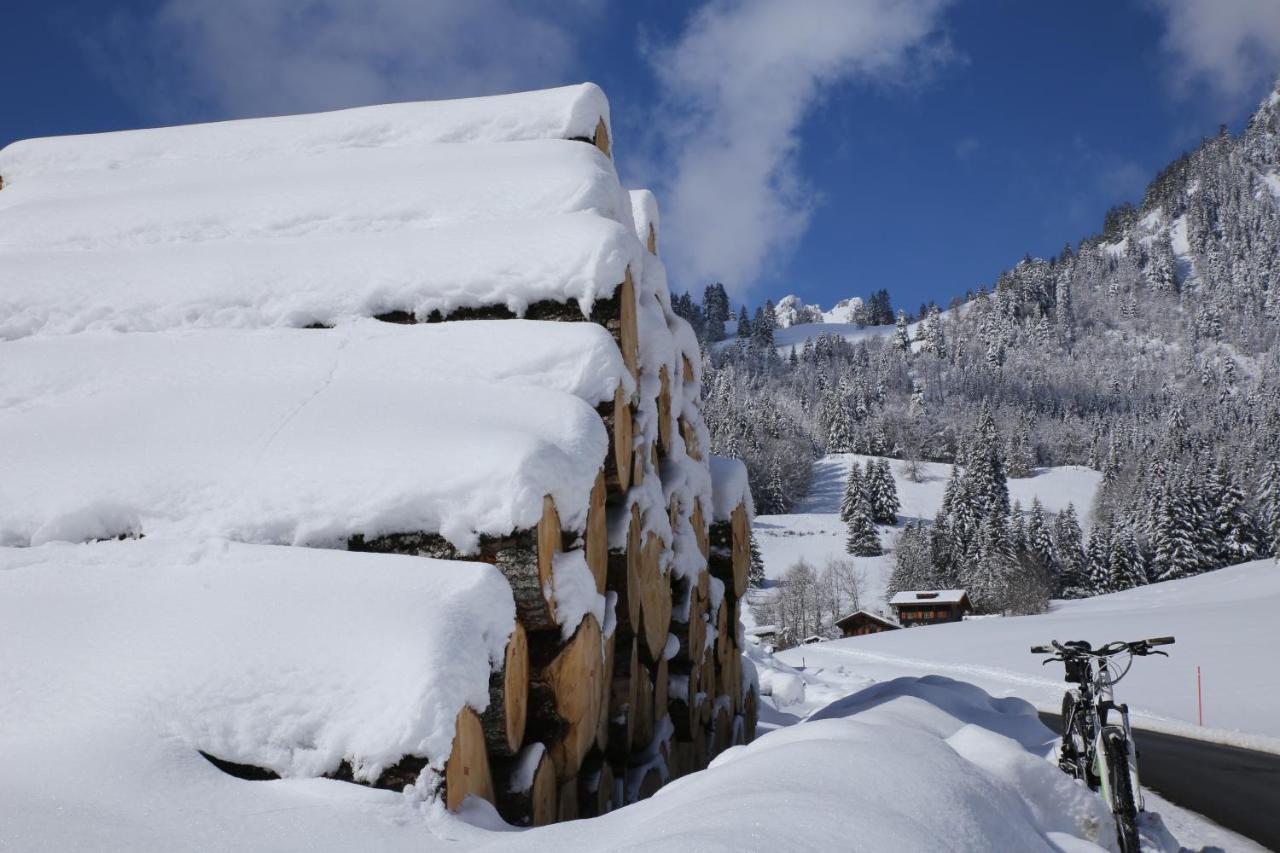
{"x": 1123, "y": 802}
{"x": 1073, "y": 758}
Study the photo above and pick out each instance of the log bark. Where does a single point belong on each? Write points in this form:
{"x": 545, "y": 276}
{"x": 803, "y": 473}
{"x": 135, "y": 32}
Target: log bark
{"x": 524, "y": 558}
{"x": 504, "y": 719}
{"x": 565, "y": 695}
{"x": 729, "y": 555}
{"x": 467, "y": 770}
{"x": 691, "y": 633}
{"x": 528, "y": 795}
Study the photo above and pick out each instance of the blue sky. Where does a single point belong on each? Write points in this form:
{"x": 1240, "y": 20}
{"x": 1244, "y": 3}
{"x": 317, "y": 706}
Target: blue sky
{"x": 826, "y": 148}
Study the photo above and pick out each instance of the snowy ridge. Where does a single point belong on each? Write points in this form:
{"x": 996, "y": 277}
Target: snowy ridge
{"x": 569, "y": 112}
{"x": 184, "y": 434}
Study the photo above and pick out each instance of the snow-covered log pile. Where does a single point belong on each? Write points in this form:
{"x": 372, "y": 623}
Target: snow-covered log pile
{"x": 236, "y": 332}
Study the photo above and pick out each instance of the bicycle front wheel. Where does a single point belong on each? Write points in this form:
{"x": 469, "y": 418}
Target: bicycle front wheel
{"x": 1123, "y": 800}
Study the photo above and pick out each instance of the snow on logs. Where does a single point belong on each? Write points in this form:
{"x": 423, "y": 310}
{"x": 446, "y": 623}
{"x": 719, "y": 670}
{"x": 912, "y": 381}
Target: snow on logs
{"x": 299, "y": 385}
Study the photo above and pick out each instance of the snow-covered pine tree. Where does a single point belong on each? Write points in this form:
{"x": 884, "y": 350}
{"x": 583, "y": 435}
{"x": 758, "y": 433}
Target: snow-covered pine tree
{"x": 755, "y": 572}
{"x": 855, "y": 488}
{"x": 1175, "y": 553}
{"x": 1126, "y": 569}
{"x": 1235, "y": 535}
{"x": 1039, "y": 538}
{"x": 863, "y": 539}
{"x": 1098, "y": 561}
{"x": 1269, "y": 507}
{"x": 901, "y": 334}
{"x": 912, "y": 562}
{"x": 993, "y": 568}
{"x": 1068, "y": 547}
{"x": 882, "y": 492}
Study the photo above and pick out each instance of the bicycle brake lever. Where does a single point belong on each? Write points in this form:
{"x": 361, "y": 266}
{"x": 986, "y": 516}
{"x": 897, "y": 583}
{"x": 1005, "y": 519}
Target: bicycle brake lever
{"x": 1154, "y": 652}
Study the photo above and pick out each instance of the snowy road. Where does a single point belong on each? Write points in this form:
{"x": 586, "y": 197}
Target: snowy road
{"x": 1236, "y": 788}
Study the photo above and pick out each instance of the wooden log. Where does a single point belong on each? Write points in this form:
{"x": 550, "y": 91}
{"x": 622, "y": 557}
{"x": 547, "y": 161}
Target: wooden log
{"x": 596, "y": 536}
{"x": 504, "y": 719}
{"x": 739, "y": 731}
{"x": 643, "y": 782}
{"x": 664, "y": 409}
{"x": 639, "y": 460}
{"x": 467, "y": 771}
{"x": 624, "y": 579}
{"x": 691, "y": 446}
{"x": 525, "y": 558}
{"x": 651, "y": 243}
{"x": 595, "y": 787}
{"x": 682, "y": 708}
{"x": 624, "y": 697}
{"x": 729, "y": 556}
{"x": 700, "y": 530}
{"x": 722, "y": 725}
{"x": 655, "y": 598}
{"x": 621, "y": 321}
{"x": 701, "y": 740}
{"x": 569, "y": 800}
{"x": 661, "y": 689}
{"x": 528, "y": 794}
{"x": 750, "y": 714}
{"x": 606, "y": 688}
{"x": 690, "y": 633}
{"x": 688, "y": 368}
{"x": 642, "y": 710}
{"x": 619, "y": 423}
{"x": 564, "y": 695}
{"x": 601, "y": 139}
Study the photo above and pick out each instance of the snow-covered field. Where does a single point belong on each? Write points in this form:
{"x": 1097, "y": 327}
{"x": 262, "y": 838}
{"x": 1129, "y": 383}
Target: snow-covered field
{"x": 815, "y": 532}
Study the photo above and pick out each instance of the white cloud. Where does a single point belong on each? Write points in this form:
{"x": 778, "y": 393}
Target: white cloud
{"x": 736, "y": 87}
{"x": 1233, "y": 45}
{"x": 258, "y": 57}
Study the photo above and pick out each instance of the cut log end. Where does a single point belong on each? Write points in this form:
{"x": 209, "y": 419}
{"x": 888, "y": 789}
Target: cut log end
{"x": 529, "y": 798}
{"x": 573, "y": 678}
{"x": 504, "y": 719}
{"x": 467, "y": 770}
{"x": 601, "y": 138}
{"x": 597, "y": 534}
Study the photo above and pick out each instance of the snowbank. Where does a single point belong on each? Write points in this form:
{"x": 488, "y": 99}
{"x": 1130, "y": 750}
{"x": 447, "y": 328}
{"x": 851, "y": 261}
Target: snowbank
{"x": 120, "y": 660}
{"x": 569, "y": 112}
{"x": 944, "y": 762}
{"x": 370, "y": 428}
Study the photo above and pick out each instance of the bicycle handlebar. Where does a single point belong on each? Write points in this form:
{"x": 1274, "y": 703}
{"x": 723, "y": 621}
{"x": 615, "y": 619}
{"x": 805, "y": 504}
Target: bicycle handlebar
{"x": 1081, "y": 648}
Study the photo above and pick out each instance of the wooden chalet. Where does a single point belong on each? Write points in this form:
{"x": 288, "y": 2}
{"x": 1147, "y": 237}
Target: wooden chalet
{"x": 930, "y": 607}
{"x": 860, "y": 623}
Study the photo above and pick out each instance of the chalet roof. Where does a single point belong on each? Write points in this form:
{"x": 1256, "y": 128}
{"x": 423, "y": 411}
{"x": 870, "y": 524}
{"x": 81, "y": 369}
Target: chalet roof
{"x": 865, "y": 614}
{"x": 929, "y": 596}
{"x": 761, "y": 629}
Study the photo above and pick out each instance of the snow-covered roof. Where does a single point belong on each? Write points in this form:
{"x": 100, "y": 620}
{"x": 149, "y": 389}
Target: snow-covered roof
{"x": 303, "y": 436}
{"x": 729, "y": 488}
{"x": 317, "y": 239}
{"x": 568, "y": 112}
{"x": 236, "y": 650}
{"x": 867, "y": 614}
{"x": 934, "y": 596}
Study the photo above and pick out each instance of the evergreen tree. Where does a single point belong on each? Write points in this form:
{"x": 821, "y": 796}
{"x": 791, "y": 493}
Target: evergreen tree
{"x": 1173, "y": 540}
{"x": 1039, "y": 539}
{"x": 882, "y": 492}
{"x": 755, "y": 572}
{"x": 840, "y": 433}
{"x": 1126, "y": 569}
{"x": 1067, "y": 546}
{"x": 1098, "y": 561}
{"x": 863, "y": 539}
{"x": 901, "y": 334}
{"x": 744, "y": 324}
{"x": 855, "y": 489}
{"x": 993, "y": 568}
{"x": 715, "y": 307}
{"x": 1269, "y": 507}
{"x": 912, "y": 562}
{"x": 1234, "y": 535}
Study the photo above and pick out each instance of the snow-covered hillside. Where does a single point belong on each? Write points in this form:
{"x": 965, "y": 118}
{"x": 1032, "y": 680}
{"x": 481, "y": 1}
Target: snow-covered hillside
{"x": 815, "y": 532}
{"x": 1224, "y": 622}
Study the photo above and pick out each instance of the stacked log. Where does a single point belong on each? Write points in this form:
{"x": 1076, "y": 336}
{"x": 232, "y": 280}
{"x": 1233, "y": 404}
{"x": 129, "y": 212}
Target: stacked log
{"x": 602, "y": 694}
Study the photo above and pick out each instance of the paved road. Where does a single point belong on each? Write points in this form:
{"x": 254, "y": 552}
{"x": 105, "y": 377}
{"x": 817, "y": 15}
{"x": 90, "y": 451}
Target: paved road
{"x": 1236, "y": 788}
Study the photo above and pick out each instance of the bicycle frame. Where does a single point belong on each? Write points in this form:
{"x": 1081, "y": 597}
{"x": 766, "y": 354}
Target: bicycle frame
{"x": 1101, "y": 683}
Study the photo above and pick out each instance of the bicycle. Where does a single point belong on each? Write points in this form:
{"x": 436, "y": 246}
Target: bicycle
{"x": 1098, "y": 752}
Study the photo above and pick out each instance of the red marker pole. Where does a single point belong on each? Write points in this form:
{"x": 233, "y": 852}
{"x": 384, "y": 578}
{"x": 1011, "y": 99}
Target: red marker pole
{"x": 1199, "y": 696}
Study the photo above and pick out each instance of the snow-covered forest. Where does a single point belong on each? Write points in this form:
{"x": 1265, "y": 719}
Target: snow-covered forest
{"x": 1147, "y": 352}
